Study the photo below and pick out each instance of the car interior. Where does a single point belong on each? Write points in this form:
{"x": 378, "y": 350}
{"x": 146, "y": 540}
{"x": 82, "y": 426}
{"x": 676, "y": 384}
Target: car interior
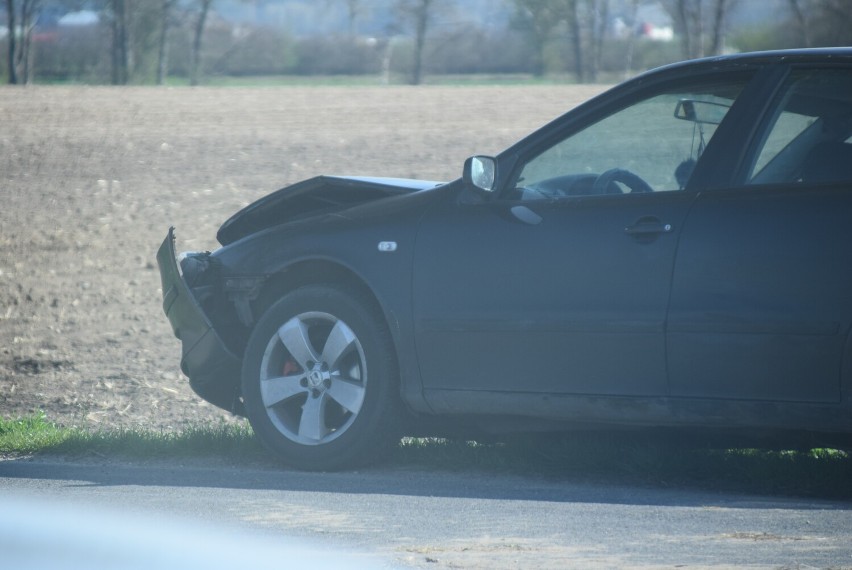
{"x": 809, "y": 141}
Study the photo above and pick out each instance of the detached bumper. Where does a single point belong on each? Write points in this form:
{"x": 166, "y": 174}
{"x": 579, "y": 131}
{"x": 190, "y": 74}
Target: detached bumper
{"x": 213, "y": 370}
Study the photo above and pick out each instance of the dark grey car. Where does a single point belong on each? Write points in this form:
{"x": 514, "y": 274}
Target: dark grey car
{"x": 675, "y": 253}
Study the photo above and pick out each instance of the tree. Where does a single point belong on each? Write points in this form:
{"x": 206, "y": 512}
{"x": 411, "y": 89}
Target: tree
{"x": 801, "y": 21}
{"x": 631, "y": 38}
{"x": 121, "y": 63}
{"x": 599, "y": 19}
{"x": 823, "y": 22}
{"x": 584, "y": 21}
{"x": 538, "y": 19}
{"x": 12, "y": 50}
{"x": 203, "y": 8}
{"x": 418, "y": 14}
{"x": 22, "y": 16}
{"x": 690, "y": 18}
{"x": 587, "y": 21}
{"x": 720, "y": 26}
{"x": 572, "y": 17}
{"x": 166, "y": 15}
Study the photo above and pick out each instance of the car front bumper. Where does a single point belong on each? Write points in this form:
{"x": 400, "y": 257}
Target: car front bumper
{"x": 213, "y": 370}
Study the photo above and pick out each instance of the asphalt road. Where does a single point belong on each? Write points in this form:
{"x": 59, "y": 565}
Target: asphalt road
{"x": 395, "y": 518}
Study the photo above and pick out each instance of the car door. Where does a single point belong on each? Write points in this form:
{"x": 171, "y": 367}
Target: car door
{"x": 561, "y": 285}
{"x": 761, "y": 305}
{"x": 568, "y": 302}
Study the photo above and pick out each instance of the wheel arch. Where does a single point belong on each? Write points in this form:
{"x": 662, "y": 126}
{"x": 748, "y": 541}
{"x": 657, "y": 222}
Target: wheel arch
{"x": 312, "y": 272}
{"x": 321, "y": 271}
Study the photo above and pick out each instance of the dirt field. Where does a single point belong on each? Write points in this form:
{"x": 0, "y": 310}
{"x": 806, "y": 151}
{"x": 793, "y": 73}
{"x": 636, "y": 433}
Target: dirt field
{"x": 91, "y": 179}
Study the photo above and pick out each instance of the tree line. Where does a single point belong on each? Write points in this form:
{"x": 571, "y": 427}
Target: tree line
{"x": 126, "y": 33}
{"x": 150, "y": 41}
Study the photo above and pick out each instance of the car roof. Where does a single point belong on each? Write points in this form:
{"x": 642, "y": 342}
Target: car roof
{"x": 792, "y": 56}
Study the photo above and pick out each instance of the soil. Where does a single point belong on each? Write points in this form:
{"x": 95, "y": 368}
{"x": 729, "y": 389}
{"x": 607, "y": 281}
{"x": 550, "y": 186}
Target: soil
{"x": 91, "y": 178}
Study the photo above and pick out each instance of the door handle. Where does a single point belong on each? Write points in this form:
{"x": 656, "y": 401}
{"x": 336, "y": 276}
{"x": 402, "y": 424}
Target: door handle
{"x": 647, "y": 227}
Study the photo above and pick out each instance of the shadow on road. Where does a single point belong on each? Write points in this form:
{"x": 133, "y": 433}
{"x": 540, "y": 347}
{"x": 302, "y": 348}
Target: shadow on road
{"x": 391, "y": 481}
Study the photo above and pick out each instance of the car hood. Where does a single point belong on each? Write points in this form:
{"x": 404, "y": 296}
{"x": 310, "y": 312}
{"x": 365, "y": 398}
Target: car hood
{"x": 315, "y": 196}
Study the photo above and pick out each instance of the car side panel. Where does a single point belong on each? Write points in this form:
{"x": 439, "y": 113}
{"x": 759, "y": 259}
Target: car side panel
{"x": 761, "y": 306}
{"x": 560, "y": 300}
{"x": 351, "y": 241}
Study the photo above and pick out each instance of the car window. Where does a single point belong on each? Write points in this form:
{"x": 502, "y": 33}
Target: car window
{"x": 808, "y": 140}
{"x": 649, "y": 146}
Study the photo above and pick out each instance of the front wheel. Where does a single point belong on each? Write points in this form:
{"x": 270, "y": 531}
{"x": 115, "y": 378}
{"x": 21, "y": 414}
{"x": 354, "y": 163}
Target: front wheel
{"x": 319, "y": 380}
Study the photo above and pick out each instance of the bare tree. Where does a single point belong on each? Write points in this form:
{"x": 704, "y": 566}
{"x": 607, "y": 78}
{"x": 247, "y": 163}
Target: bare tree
{"x": 538, "y": 19}
{"x": 203, "y": 10}
{"x": 796, "y": 6}
{"x": 418, "y": 13}
{"x": 28, "y": 21}
{"x": 166, "y": 16}
{"x": 720, "y": 26}
{"x": 22, "y": 16}
{"x": 602, "y": 12}
{"x": 421, "y": 25}
{"x": 690, "y": 20}
{"x": 572, "y": 16}
{"x": 823, "y": 22}
{"x": 12, "y": 49}
{"x": 120, "y": 54}
{"x": 631, "y": 38}
{"x": 587, "y": 20}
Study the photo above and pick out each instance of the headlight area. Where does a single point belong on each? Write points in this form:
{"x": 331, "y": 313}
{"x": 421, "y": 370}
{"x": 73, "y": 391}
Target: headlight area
{"x": 198, "y": 273}
{"x": 225, "y": 300}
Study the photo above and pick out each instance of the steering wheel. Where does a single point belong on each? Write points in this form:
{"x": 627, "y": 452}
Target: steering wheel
{"x": 603, "y": 182}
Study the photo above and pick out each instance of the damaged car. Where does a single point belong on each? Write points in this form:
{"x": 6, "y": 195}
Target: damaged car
{"x": 673, "y": 254}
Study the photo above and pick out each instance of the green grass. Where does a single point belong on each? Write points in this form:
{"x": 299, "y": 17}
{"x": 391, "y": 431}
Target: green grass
{"x": 822, "y": 473}
{"x": 31, "y": 434}
{"x": 36, "y": 435}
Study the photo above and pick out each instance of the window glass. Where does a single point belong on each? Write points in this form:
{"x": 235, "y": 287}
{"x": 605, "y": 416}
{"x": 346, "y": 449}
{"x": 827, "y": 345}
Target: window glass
{"x": 788, "y": 126}
{"x": 650, "y": 146}
{"x": 809, "y": 138}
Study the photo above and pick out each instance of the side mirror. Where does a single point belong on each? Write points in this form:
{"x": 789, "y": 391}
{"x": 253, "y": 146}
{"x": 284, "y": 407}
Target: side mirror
{"x": 481, "y": 172}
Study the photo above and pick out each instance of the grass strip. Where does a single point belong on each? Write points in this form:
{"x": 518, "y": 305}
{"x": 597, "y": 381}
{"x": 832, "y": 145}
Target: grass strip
{"x": 36, "y": 435}
{"x": 597, "y": 458}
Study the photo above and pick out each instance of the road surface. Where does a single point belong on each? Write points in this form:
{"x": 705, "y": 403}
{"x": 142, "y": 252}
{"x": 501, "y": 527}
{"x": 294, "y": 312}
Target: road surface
{"x": 404, "y": 518}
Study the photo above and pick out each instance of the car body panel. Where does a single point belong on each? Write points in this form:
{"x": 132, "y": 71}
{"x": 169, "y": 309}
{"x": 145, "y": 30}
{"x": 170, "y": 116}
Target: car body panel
{"x": 752, "y": 298}
{"x": 312, "y": 197}
{"x": 555, "y": 322}
{"x": 351, "y": 241}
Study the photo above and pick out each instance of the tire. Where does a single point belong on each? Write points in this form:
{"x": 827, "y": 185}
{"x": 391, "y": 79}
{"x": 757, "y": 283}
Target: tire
{"x": 320, "y": 380}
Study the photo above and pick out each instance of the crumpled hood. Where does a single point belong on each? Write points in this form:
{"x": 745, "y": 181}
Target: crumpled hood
{"x": 319, "y": 195}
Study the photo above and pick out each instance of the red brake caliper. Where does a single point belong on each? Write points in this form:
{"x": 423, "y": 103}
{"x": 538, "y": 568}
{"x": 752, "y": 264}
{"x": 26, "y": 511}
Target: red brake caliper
{"x": 291, "y": 367}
